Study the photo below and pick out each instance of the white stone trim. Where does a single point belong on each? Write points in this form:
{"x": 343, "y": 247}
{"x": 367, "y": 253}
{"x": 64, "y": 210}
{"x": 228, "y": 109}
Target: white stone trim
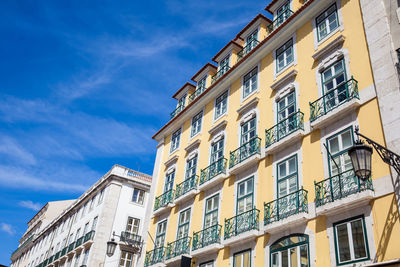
{"x": 258, "y": 66}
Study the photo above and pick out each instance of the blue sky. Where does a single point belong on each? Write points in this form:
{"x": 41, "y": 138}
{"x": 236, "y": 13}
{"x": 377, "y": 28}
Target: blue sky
{"x": 85, "y": 84}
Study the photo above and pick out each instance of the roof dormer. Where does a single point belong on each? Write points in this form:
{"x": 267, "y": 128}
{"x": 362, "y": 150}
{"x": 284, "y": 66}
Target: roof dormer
{"x": 226, "y": 58}
{"x": 181, "y": 96}
{"x": 205, "y": 74}
{"x": 282, "y": 10}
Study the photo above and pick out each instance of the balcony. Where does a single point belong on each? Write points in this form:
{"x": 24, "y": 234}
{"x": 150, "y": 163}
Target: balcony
{"x": 335, "y": 103}
{"x": 279, "y": 20}
{"x": 186, "y": 189}
{"x": 342, "y": 191}
{"x": 89, "y": 237}
{"x": 57, "y": 255}
{"x": 26, "y": 242}
{"x": 241, "y": 227}
{"x": 207, "y": 240}
{"x": 286, "y": 211}
{"x": 176, "y": 249}
{"x": 219, "y": 73}
{"x": 79, "y": 241}
{"x": 285, "y": 132}
{"x": 196, "y": 93}
{"x": 177, "y": 111}
{"x": 250, "y": 45}
{"x": 63, "y": 251}
{"x": 213, "y": 174}
{"x": 155, "y": 256}
{"x": 246, "y": 155}
{"x": 132, "y": 239}
{"x": 164, "y": 201}
{"x": 71, "y": 247}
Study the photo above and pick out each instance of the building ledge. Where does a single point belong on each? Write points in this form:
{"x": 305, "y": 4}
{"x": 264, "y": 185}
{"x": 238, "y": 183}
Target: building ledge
{"x": 217, "y": 128}
{"x": 241, "y": 238}
{"x": 207, "y": 249}
{"x": 171, "y": 161}
{"x": 248, "y": 106}
{"x": 286, "y": 223}
{"x": 192, "y": 146}
{"x": 284, "y": 142}
{"x": 284, "y": 79}
{"x": 334, "y": 44}
{"x": 176, "y": 259}
{"x": 188, "y": 195}
{"x": 161, "y": 210}
{"x": 250, "y": 161}
{"x": 212, "y": 182}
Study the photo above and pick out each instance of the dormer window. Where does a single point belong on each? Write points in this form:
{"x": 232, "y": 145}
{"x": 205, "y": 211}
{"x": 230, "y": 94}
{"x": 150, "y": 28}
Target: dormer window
{"x": 282, "y": 13}
{"x": 251, "y": 41}
{"x": 201, "y": 85}
{"x": 224, "y": 65}
{"x": 181, "y": 101}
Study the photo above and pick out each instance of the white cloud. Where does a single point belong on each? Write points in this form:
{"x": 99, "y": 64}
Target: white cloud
{"x": 8, "y": 228}
{"x": 11, "y": 149}
{"x": 30, "y": 205}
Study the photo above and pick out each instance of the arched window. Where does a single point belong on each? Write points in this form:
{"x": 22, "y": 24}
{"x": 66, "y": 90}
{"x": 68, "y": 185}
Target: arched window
{"x": 290, "y": 251}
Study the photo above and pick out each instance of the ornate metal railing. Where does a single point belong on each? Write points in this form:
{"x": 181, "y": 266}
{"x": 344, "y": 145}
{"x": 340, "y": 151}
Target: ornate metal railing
{"x": 164, "y": 199}
{"x": 208, "y": 236}
{"x": 45, "y": 262}
{"x": 241, "y": 223}
{"x": 79, "y": 241}
{"x": 130, "y": 238}
{"x": 219, "y": 73}
{"x": 178, "y": 247}
{"x": 213, "y": 170}
{"x": 285, "y": 127}
{"x": 279, "y": 20}
{"x": 89, "y": 236}
{"x": 57, "y": 255}
{"x": 286, "y": 206}
{"x": 334, "y": 98}
{"x": 250, "y": 45}
{"x": 248, "y": 149}
{"x": 63, "y": 251}
{"x": 186, "y": 186}
{"x": 340, "y": 186}
{"x": 71, "y": 247}
{"x": 196, "y": 93}
{"x": 51, "y": 259}
{"x": 176, "y": 111}
{"x": 154, "y": 256}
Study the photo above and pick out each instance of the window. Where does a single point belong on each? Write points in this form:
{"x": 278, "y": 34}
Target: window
{"x": 245, "y": 196}
{"x": 334, "y": 85}
{"x": 84, "y": 210}
{"x": 169, "y": 181}
{"x": 138, "y": 196}
{"x": 77, "y": 234}
{"x": 191, "y": 166}
{"x": 250, "y": 82}
{"x": 282, "y": 13}
{"x": 181, "y": 101}
{"x": 201, "y": 85}
{"x": 183, "y": 224}
{"x": 248, "y": 131}
{"x": 126, "y": 259}
{"x": 85, "y": 230}
{"x": 160, "y": 234}
{"x": 176, "y": 136}
{"x": 196, "y": 124}
{"x": 91, "y": 203}
{"x": 221, "y": 104}
{"x": 338, "y": 146}
{"x": 217, "y": 150}
{"x": 327, "y": 22}
{"x": 211, "y": 211}
{"x": 86, "y": 257}
{"x": 286, "y": 110}
{"x": 207, "y": 264}
{"x": 101, "y": 196}
{"x": 77, "y": 258}
{"x": 224, "y": 65}
{"x": 242, "y": 259}
{"x": 251, "y": 41}
{"x": 94, "y": 224}
{"x": 132, "y": 225}
{"x": 284, "y": 55}
{"x": 287, "y": 176}
{"x": 350, "y": 241}
{"x": 290, "y": 251}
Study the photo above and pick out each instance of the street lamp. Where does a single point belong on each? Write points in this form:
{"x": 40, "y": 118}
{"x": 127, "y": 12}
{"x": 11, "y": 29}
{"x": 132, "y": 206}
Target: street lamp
{"x": 111, "y": 245}
{"x": 133, "y": 241}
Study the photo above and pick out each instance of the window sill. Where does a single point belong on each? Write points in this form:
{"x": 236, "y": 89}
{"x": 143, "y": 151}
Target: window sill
{"x": 326, "y": 38}
{"x": 291, "y": 64}
{"x": 249, "y": 95}
{"x": 215, "y": 120}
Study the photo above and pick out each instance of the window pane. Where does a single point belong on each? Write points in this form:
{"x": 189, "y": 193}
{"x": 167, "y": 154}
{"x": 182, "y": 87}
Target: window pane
{"x": 275, "y": 260}
{"x": 246, "y": 259}
{"x": 343, "y": 242}
{"x": 293, "y": 257}
{"x": 358, "y": 239}
{"x": 346, "y": 140}
{"x": 285, "y": 258}
{"x": 303, "y": 256}
{"x": 334, "y": 145}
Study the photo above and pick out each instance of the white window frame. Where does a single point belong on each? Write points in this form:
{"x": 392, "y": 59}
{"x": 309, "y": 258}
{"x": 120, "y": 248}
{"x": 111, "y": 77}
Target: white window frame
{"x": 243, "y": 96}
{"x": 287, "y": 66}
{"x": 140, "y": 196}
{"x": 196, "y": 125}
{"x": 217, "y": 103}
{"x": 175, "y": 140}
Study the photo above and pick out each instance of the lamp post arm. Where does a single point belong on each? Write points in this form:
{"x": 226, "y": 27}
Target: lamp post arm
{"x": 152, "y": 240}
{"x": 330, "y": 155}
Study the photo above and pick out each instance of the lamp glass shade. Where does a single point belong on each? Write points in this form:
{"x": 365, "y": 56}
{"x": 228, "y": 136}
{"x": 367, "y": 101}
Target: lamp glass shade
{"x": 360, "y": 156}
{"x": 111, "y": 245}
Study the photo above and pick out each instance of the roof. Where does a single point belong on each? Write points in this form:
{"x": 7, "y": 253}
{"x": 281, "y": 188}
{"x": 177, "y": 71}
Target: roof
{"x": 232, "y": 42}
{"x": 269, "y": 6}
{"x": 259, "y": 16}
{"x": 203, "y": 68}
{"x": 182, "y": 88}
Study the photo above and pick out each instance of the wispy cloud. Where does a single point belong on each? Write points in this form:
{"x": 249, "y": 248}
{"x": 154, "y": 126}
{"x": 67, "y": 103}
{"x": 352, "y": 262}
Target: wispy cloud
{"x": 8, "y": 228}
{"x": 12, "y": 150}
{"x": 29, "y": 204}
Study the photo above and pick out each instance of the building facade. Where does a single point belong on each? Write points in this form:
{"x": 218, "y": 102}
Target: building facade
{"x": 75, "y": 233}
{"x": 252, "y": 168}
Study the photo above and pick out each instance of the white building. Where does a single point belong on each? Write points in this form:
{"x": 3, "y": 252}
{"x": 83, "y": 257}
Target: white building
{"x": 74, "y": 233}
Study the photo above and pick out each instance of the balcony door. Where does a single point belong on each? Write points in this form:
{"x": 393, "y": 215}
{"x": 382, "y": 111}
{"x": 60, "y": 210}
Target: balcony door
{"x": 282, "y": 13}
{"x": 287, "y": 186}
{"x": 334, "y": 85}
{"x": 183, "y": 224}
{"x": 290, "y": 251}
{"x": 286, "y": 118}
{"x": 169, "y": 181}
{"x": 160, "y": 234}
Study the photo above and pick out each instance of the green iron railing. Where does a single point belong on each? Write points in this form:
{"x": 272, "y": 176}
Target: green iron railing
{"x": 196, "y": 93}
{"x": 219, "y": 73}
{"x": 89, "y": 236}
{"x": 279, "y": 20}
{"x": 164, "y": 199}
{"x": 241, "y": 223}
{"x": 286, "y": 206}
{"x": 208, "y": 236}
{"x": 178, "y": 247}
{"x": 79, "y": 241}
{"x": 214, "y": 169}
{"x": 63, "y": 251}
{"x": 340, "y": 186}
{"x": 57, "y": 255}
{"x": 71, "y": 247}
{"x": 248, "y": 149}
{"x": 186, "y": 186}
{"x": 343, "y": 93}
{"x": 250, "y": 45}
{"x": 51, "y": 259}
{"x": 285, "y": 127}
{"x": 154, "y": 256}
{"x": 176, "y": 111}
{"x": 45, "y": 262}
{"x": 130, "y": 238}
{"x": 29, "y": 239}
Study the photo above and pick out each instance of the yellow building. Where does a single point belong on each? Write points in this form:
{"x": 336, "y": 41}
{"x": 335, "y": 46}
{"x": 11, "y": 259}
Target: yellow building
{"x": 252, "y": 169}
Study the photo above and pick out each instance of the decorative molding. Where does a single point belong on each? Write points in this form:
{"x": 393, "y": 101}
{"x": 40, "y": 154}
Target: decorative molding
{"x": 334, "y": 44}
{"x": 282, "y": 93}
{"x": 192, "y": 146}
{"x": 251, "y": 104}
{"x": 217, "y": 128}
{"x": 284, "y": 79}
{"x": 171, "y": 161}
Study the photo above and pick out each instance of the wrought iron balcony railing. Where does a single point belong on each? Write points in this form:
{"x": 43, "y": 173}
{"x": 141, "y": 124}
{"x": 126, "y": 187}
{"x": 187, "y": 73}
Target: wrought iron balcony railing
{"x": 71, "y": 247}
{"x": 196, "y": 93}
{"x": 219, "y": 73}
{"x": 340, "y": 186}
{"x": 213, "y": 170}
{"x": 63, "y": 251}
{"x": 131, "y": 238}
{"x": 79, "y": 241}
{"x": 164, "y": 199}
{"x": 279, "y": 20}
{"x": 154, "y": 256}
{"x": 285, "y": 127}
{"x": 57, "y": 255}
{"x": 176, "y": 111}
{"x": 286, "y": 206}
{"x": 241, "y": 223}
{"x": 250, "y": 45}
{"x": 89, "y": 236}
{"x": 178, "y": 247}
{"x": 186, "y": 186}
{"x": 248, "y": 149}
{"x": 45, "y": 262}
{"x": 51, "y": 259}
{"x": 343, "y": 93}
{"x": 208, "y": 236}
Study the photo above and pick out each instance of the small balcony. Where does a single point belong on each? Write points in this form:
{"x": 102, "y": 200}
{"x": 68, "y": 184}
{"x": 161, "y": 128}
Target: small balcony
{"x": 219, "y": 74}
{"x": 334, "y": 103}
{"x": 155, "y": 256}
{"x": 250, "y": 45}
{"x": 89, "y": 238}
{"x": 186, "y": 189}
{"x": 176, "y": 249}
{"x": 164, "y": 201}
{"x": 177, "y": 111}
{"x": 241, "y": 227}
{"x": 286, "y": 211}
{"x": 285, "y": 132}
{"x": 196, "y": 94}
{"x": 57, "y": 255}
{"x": 342, "y": 191}
{"x": 71, "y": 247}
{"x": 63, "y": 251}
{"x": 279, "y": 20}
{"x": 213, "y": 174}
{"x": 246, "y": 155}
{"x": 207, "y": 240}
{"x": 79, "y": 241}
{"x": 131, "y": 239}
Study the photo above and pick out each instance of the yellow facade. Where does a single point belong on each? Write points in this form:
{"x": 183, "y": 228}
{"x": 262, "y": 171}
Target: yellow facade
{"x": 303, "y": 77}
